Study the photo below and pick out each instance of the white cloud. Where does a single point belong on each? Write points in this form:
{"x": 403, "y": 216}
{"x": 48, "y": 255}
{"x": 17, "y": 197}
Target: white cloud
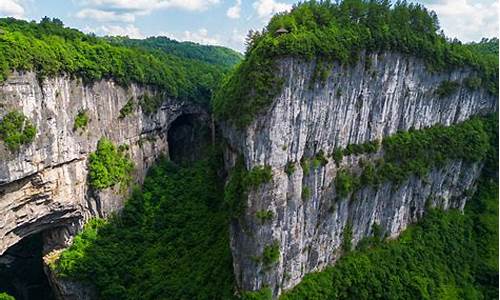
{"x": 147, "y": 6}
{"x": 128, "y": 30}
{"x": 201, "y": 36}
{"x": 467, "y": 20}
{"x": 235, "y": 11}
{"x": 238, "y": 37}
{"x": 11, "y": 8}
{"x": 237, "y": 40}
{"x": 127, "y": 10}
{"x": 266, "y": 8}
{"x": 105, "y": 16}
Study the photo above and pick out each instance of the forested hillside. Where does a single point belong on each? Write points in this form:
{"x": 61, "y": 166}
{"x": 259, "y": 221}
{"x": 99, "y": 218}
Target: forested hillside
{"x": 328, "y": 31}
{"x": 50, "y": 49}
{"x": 211, "y": 54}
{"x": 258, "y": 208}
{"x": 170, "y": 242}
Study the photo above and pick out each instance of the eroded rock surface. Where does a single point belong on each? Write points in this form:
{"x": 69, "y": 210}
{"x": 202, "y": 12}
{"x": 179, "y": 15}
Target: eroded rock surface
{"x": 355, "y": 105}
{"x": 44, "y": 185}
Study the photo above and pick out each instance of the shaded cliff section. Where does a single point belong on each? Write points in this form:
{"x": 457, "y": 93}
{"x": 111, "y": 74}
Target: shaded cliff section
{"x": 379, "y": 96}
{"x": 44, "y": 185}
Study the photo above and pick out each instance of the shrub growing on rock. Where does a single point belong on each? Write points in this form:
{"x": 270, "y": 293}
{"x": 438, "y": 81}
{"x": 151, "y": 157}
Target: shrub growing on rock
{"x": 16, "y": 130}
{"x": 109, "y": 166}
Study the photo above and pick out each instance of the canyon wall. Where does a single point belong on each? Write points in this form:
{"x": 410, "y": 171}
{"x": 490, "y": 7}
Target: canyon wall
{"x": 379, "y": 96}
{"x": 44, "y": 184}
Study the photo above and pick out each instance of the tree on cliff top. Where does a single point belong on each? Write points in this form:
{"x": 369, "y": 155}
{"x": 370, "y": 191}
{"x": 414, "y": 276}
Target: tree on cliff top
{"x": 341, "y": 32}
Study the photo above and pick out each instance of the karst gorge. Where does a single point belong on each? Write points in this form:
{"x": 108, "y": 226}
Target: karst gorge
{"x": 350, "y": 153}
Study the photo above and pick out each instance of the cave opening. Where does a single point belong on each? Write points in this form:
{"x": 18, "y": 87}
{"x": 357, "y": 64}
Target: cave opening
{"x": 22, "y": 270}
{"x": 189, "y": 137}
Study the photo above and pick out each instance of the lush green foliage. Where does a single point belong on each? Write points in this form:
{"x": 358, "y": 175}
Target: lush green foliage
{"x": 472, "y": 82}
{"x": 210, "y": 54}
{"x": 447, "y": 88}
{"x": 329, "y": 31}
{"x": 109, "y": 166}
{"x": 5, "y": 296}
{"x": 305, "y": 164}
{"x": 314, "y": 162}
{"x": 356, "y": 149}
{"x": 271, "y": 254}
{"x": 415, "y": 152}
{"x": 150, "y": 103}
{"x": 235, "y": 192}
{"x": 264, "y": 215}
{"x": 240, "y": 182}
{"x": 16, "y": 130}
{"x": 306, "y": 193}
{"x": 337, "y": 155}
{"x": 82, "y": 243}
{"x": 81, "y": 120}
{"x": 258, "y": 175}
{"x": 345, "y": 183}
{"x": 127, "y": 109}
{"x": 51, "y": 49}
{"x": 319, "y": 159}
{"x": 445, "y": 256}
{"x": 262, "y": 294}
{"x": 290, "y": 168}
{"x": 247, "y": 90}
{"x": 170, "y": 242}
{"x": 347, "y": 238}
{"x": 486, "y": 47}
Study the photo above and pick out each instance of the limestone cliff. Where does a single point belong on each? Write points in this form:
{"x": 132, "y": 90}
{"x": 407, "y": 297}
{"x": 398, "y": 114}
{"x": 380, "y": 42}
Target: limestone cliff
{"x": 355, "y": 104}
{"x": 44, "y": 185}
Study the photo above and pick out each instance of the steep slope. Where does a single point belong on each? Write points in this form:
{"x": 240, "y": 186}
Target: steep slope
{"x": 170, "y": 242}
{"x": 303, "y": 123}
{"x": 71, "y": 90}
{"x": 44, "y": 184}
{"x": 319, "y": 106}
{"x": 216, "y": 55}
{"x": 351, "y": 122}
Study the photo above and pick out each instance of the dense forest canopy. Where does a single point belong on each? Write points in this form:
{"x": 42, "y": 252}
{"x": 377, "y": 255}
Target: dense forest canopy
{"x": 341, "y": 31}
{"x": 50, "y": 49}
{"x": 171, "y": 240}
{"x": 211, "y": 54}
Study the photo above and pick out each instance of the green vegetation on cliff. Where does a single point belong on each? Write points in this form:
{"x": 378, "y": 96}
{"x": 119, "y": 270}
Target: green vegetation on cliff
{"x": 416, "y": 152}
{"x": 81, "y": 120}
{"x": 109, "y": 166}
{"x": 16, "y": 130}
{"x": 50, "y": 49}
{"x": 170, "y": 242}
{"x": 328, "y": 32}
{"x": 447, "y": 255}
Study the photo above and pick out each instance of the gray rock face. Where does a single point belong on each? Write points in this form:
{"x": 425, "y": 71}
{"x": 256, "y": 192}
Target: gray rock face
{"x": 356, "y": 104}
{"x": 44, "y": 185}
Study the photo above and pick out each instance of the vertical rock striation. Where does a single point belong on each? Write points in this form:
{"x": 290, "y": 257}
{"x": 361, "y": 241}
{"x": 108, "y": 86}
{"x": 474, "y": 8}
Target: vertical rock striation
{"x": 44, "y": 185}
{"x": 380, "y": 95}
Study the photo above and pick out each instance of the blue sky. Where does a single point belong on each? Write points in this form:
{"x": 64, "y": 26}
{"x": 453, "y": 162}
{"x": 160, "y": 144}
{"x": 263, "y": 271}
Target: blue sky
{"x": 221, "y": 22}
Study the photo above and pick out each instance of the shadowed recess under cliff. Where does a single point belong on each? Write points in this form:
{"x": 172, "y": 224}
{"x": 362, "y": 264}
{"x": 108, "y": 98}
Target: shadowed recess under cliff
{"x": 21, "y": 270}
{"x": 188, "y": 138}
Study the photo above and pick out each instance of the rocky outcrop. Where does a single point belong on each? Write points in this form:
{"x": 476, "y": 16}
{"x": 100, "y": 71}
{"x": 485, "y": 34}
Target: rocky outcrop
{"x": 44, "y": 185}
{"x": 380, "y": 95}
